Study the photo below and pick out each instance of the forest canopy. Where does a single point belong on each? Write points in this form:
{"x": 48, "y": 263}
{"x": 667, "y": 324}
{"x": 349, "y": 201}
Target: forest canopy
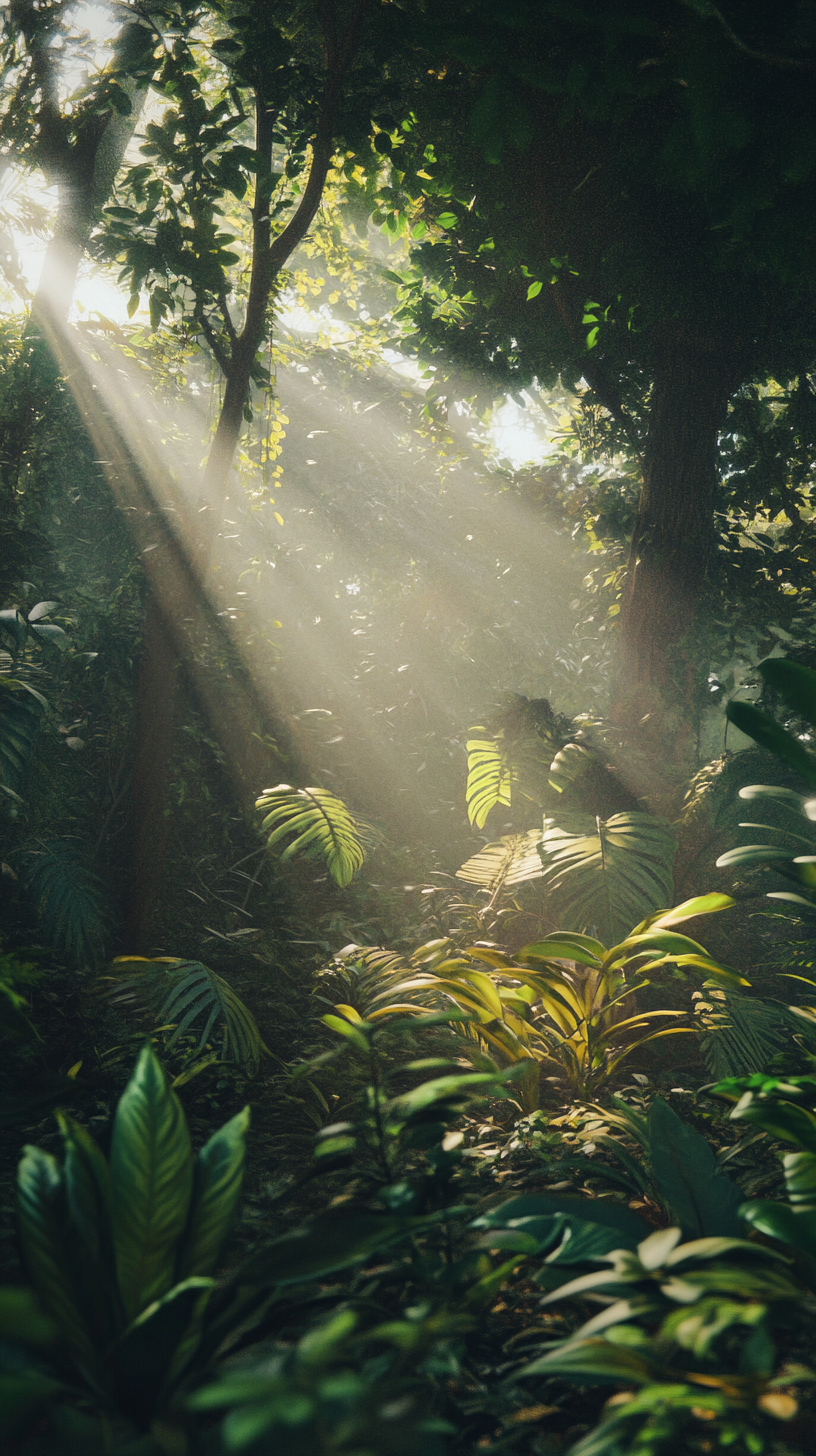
{"x": 407, "y": 532}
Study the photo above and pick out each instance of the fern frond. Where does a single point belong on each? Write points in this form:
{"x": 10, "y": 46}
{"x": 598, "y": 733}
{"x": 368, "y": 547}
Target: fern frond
{"x": 182, "y": 993}
{"x": 69, "y": 900}
{"x": 608, "y": 874}
{"x": 322, "y": 825}
{"x": 512, "y": 860}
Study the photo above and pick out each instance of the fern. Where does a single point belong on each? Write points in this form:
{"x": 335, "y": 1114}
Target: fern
{"x": 608, "y": 874}
{"x": 69, "y": 900}
{"x": 180, "y": 993}
{"x": 323, "y": 828}
{"x": 512, "y": 860}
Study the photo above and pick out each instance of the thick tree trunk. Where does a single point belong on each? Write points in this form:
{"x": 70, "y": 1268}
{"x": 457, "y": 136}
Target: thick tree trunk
{"x": 672, "y": 538}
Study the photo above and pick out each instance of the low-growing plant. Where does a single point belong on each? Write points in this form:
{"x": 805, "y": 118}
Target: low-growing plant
{"x": 558, "y": 1004}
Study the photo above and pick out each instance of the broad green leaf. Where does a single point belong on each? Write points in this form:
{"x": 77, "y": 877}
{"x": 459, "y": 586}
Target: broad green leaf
{"x": 151, "y": 1169}
{"x": 580, "y": 948}
{"x": 489, "y": 780}
{"x": 605, "y": 874}
{"x": 512, "y": 860}
{"x": 699, "y": 905}
{"x": 155, "y": 1348}
{"x": 322, "y": 825}
{"x": 768, "y": 734}
{"x": 335, "y": 1240}
{"x": 778, "y": 1221}
{"x": 702, "y": 1199}
{"x": 217, "y": 1178}
{"x": 584, "y": 1210}
{"x": 42, "y": 1214}
{"x": 345, "y": 1029}
{"x": 594, "y": 1361}
{"x": 794, "y": 683}
{"x": 23, "y": 1320}
{"x": 87, "y": 1187}
{"x": 439, "y": 1090}
{"x": 800, "y": 1181}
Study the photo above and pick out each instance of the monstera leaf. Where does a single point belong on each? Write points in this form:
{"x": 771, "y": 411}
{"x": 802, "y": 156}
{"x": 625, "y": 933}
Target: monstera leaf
{"x": 321, "y": 825}
{"x": 607, "y": 874}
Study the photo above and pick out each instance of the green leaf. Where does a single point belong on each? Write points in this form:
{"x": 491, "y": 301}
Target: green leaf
{"x": 777, "y": 1221}
{"x": 69, "y": 900}
{"x": 628, "y": 1226}
{"x": 768, "y": 734}
{"x": 594, "y": 1362}
{"x": 23, "y": 1320}
{"x": 336, "y": 1240}
{"x": 534, "y": 290}
{"x": 700, "y": 1196}
{"x": 217, "y": 1179}
{"x": 605, "y": 874}
{"x": 322, "y": 824}
{"x": 20, "y": 721}
{"x": 151, "y": 1184}
{"x": 795, "y": 684}
{"x": 186, "y": 992}
{"x": 153, "y": 1351}
{"x": 42, "y": 1214}
{"x": 512, "y": 860}
{"x": 489, "y": 779}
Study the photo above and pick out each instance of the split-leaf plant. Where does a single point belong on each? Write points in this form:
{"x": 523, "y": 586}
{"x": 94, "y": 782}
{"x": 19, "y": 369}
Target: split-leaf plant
{"x": 602, "y": 861}
{"x": 558, "y": 1005}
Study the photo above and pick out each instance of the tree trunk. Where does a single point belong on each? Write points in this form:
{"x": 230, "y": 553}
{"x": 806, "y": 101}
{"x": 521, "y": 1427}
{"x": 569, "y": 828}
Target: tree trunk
{"x": 672, "y": 539}
{"x": 154, "y": 748}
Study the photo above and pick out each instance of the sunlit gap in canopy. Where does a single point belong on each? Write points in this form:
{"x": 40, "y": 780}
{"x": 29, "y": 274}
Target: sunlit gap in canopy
{"x": 437, "y": 579}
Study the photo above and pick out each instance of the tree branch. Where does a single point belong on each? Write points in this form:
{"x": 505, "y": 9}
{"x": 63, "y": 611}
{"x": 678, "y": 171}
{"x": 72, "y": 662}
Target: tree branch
{"x": 219, "y": 353}
{"x": 787, "y": 63}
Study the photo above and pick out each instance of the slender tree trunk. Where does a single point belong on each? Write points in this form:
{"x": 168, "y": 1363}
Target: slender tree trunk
{"x": 672, "y": 538}
{"x": 154, "y": 749}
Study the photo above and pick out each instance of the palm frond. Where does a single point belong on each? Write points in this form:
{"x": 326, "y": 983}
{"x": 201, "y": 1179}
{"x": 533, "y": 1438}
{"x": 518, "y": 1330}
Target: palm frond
{"x": 510, "y": 861}
{"x": 608, "y": 874}
{"x": 69, "y": 900}
{"x": 322, "y": 825}
{"x": 20, "y": 717}
{"x": 181, "y": 993}
{"x": 742, "y": 1034}
{"x": 490, "y": 777}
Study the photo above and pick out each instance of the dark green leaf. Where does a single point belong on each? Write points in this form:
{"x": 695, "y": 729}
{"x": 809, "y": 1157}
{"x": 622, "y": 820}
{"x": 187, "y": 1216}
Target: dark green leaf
{"x": 151, "y": 1171}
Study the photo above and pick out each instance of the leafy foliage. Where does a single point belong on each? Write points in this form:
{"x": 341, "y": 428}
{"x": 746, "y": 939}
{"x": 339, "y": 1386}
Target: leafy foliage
{"x": 558, "y": 1002}
{"x": 180, "y": 993}
{"x": 513, "y": 860}
{"x": 603, "y": 875}
{"x": 20, "y": 714}
{"x": 489, "y": 779}
{"x": 69, "y": 899}
{"x": 322, "y": 825}
{"x": 120, "y": 1251}
{"x": 745, "y": 1033}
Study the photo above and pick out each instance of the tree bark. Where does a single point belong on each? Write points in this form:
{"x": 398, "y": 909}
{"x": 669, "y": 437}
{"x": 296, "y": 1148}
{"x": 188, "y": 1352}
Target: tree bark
{"x": 672, "y": 538}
